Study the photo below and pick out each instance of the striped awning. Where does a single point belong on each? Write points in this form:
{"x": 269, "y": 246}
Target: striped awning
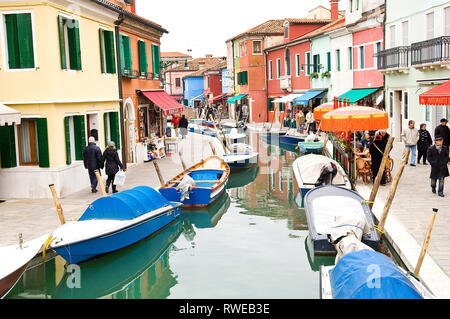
{"x": 8, "y": 116}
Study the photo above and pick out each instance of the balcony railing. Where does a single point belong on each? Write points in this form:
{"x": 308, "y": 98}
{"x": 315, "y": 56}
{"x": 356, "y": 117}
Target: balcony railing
{"x": 431, "y": 51}
{"x": 395, "y": 58}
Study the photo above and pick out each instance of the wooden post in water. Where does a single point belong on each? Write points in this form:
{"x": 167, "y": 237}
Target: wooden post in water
{"x": 58, "y": 206}
{"x": 393, "y": 190}
{"x": 217, "y": 134}
{"x": 180, "y": 153}
{"x": 376, "y": 184}
{"x": 158, "y": 172}
{"x": 100, "y": 183}
{"x": 212, "y": 148}
{"x": 426, "y": 243}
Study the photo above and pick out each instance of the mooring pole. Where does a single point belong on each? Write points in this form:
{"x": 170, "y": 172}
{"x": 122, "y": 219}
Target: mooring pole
{"x": 100, "y": 183}
{"x": 158, "y": 172}
{"x": 426, "y": 243}
{"x": 58, "y": 206}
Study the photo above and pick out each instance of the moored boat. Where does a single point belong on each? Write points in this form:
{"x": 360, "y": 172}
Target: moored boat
{"x": 329, "y": 208}
{"x": 367, "y": 274}
{"x": 292, "y": 137}
{"x": 310, "y": 147}
{"x": 114, "y": 222}
{"x": 310, "y": 170}
{"x": 199, "y": 185}
{"x": 241, "y": 156}
{"x": 14, "y": 261}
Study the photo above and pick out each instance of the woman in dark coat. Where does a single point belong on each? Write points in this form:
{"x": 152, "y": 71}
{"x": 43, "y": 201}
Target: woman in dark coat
{"x": 438, "y": 158}
{"x": 112, "y": 164}
{"x": 376, "y": 151}
{"x": 424, "y": 143}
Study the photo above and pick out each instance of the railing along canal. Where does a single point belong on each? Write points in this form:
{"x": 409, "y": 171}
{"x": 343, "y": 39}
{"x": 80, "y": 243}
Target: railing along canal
{"x": 345, "y": 159}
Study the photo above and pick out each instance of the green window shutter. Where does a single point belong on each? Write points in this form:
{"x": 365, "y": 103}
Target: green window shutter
{"x": 80, "y": 136}
{"x": 127, "y": 53}
{"x": 67, "y": 134}
{"x": 143, "y": 66}
{"x": 105, "y": 127}
{"x": 73, "y": 32}
{"x": 109, "y": 52}
{"x": 115, "y": 128}
{"x": 270, "y": 104}
{"x": 156, "y": 62}
{"x": 102, "y": 39}
{"x": 62, "y": 50}
{"x": 328, "y": 61}
{"x": 246, "y": 77}
{"x": 25, "y": 34}
{"x": 44, "y": 158}
{"x": 13, "y": 41}
{"x": 122, "y": 55}
{"x": 7, "y": 147}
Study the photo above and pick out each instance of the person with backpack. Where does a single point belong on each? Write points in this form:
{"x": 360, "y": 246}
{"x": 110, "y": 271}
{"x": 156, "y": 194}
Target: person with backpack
{"x": 92, "y": 159}
{"x": 112, "y": 163}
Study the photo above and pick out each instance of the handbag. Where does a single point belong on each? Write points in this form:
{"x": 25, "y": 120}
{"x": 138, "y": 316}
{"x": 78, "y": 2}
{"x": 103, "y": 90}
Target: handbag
{"x": 120, "y": 177}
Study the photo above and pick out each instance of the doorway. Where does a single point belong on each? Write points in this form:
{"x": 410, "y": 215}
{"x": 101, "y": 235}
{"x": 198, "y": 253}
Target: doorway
{"x": 398, "y": 113}
{"x": 129, "y": 119}
{"x": 92, "y": 126}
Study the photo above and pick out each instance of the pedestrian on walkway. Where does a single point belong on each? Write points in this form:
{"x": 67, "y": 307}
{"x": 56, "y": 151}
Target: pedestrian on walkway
{"x": 410, "y": 136}
{"x": 184, "y": 126}
{"x": 310, "y": 122}
{"x": 92, "y": 158}
{"x": 424, "y": 143}
{"x": 245, "y": 113}
{"x": 175, "y": 123}
{"x": 438, "y": 158}
{"x": 300, "y": 119}
{"x": 443, "y": 131}
{"x": 112, "y": 163}
{"x": 376, "y": 150}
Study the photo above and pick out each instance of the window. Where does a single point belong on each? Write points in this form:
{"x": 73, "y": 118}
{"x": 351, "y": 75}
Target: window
{"x": 75, "y": 135}
{"x": 7, "y": 146}
{"x": 242, "y": 78}
{"x": 430, "y": 25}
{"x": 33, "y": 142}
{"x": 391, "y": 104}
{"x": 316, "y": 63}
{"x": 19, "y": 41}
{"x": 178, "y": 82}
{"x": 270, "y": 70}
{"x": 107, "y": 53}
{"x": 156, "y": 61}
{"x": 328, "y": 61}
{"x": 350, "y": 58}
{"x": 287, "y": 59}
{"x": 112, "y": 128}
{"x": 427, "y": 113}
{"x": 308, "y": 63}
{"x": 405, "y": 105}
{"x": 270, "y": 104}
{"x": 125, "y": 55}
{"x": 69, "y": 43}
{"x": 361, "y": 57}
{"x": 278, "y": 68}
{"x": 282, "y": 107}
{"x": 209, "y": 81}
{"x": 143, "y": 64}
{"x": 257, "y": 47}
{"x": 297, "y": 64}
{"x": 392, "y": 36}
{"x": 338, "y": 60}
{"x": 447, "y": 21}
{"x": 405, "y": 30}
{"x": 377, "y": 50}
{"x": 286, "y": 31}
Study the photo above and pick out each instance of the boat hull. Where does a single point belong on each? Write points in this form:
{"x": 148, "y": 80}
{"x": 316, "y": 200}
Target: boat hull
{"x": 249, "y": 161}
{"x": 292, "y": 140}
{"x": 198, "y": 198}
{"x": 90, "y": 248}
{"x": 8, "y": 282}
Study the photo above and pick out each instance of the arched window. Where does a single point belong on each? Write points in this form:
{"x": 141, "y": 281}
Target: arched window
{"x": 288, "y": 62}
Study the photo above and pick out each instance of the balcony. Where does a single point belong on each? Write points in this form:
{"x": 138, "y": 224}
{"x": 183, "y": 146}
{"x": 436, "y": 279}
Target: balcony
{"x": 393, "y": 60}
{"x": 431, "y": 54}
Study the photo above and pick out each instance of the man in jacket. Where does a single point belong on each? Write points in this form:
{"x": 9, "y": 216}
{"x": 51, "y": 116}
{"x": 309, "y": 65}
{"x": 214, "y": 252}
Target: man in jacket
{"x": 410, "y": 136}
{"x": 93, "y": 160}
{"x": 438, "y": 158}
{"x": 184, "y": 124}
{"x": 444, "y": 132}
{"x": 300, "y": 119}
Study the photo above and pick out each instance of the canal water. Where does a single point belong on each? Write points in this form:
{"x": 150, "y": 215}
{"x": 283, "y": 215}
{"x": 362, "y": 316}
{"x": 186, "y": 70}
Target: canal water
{"x": 252, "y": 243}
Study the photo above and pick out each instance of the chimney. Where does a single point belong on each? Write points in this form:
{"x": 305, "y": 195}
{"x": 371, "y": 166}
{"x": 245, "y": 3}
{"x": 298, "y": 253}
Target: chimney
{"x": 334, "y": 4}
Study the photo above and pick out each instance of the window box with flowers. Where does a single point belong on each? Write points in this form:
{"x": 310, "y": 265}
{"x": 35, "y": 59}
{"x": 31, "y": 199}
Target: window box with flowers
{"x": 326, "y": 74}
{"x": 314, "y": 75}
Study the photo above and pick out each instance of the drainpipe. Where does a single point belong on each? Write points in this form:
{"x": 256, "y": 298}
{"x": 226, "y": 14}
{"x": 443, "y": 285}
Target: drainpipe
{"x": 119, "y": 80}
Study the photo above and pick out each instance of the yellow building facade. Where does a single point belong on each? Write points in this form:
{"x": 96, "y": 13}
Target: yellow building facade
{"x": 58, "y": 68}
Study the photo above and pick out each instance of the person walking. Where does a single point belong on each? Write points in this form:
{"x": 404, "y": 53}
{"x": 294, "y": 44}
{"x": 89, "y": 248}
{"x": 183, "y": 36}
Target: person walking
{"x": 424, "y": 143}
{"x": 310, "y": 122}
{"x": 184, "y": 126}
{"x": 410, "y": 136}
{"x": 443, "y": 131}
{"x": 300, "y": 119}
{"x": 438, "y": 158}
{"x": 112, "y": 163}
{"x": 376, "y": 150}
{"x": 92, "y": 158}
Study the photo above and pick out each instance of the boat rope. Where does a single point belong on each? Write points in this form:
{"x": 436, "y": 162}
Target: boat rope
{"x": 49, "y": 240}
{"x": 382, "y": 232}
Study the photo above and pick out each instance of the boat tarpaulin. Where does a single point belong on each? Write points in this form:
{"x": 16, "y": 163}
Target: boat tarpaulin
{"x": 8, "y": 116}
{"x": 304, "y": 98}
{"x": 164, "y": 101}
{"x": 235, "y": 98}
{"x": 125, "y": 205}
{"x": 367, "y": 274}
{"x": 440, "y": 95}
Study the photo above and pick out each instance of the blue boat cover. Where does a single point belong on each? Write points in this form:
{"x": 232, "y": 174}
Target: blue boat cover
{"x": 368, "y": 274}
{"x": 126, "y": 205}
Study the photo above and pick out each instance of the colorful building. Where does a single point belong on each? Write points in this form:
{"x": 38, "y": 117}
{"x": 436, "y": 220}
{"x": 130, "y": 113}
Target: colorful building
{"x": 53, "y": 74}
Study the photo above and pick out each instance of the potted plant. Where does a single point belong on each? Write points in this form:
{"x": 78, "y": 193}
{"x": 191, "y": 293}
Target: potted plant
{"x": 314, "y": 75}
{"x": 326, "y": 74}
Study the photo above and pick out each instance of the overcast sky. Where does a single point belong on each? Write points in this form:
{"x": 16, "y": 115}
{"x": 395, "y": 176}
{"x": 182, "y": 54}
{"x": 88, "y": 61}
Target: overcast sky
{"x": 204, "y": 25}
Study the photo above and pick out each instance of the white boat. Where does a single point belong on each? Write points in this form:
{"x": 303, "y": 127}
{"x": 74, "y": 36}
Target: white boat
{"x": 14, "y": 262}
{"x": 242, "y": 156}
{"x": 308, "y": 170}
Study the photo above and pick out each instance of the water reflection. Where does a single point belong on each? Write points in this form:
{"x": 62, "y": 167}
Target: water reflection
{"x": 208, "y": 218}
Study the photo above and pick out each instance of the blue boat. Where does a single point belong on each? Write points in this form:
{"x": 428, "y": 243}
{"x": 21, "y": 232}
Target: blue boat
{"x": 200, "y": 185}
{"x": 292, "y": 139}
{"x": 366, "y": 274}
{"x": 114, "y": 222}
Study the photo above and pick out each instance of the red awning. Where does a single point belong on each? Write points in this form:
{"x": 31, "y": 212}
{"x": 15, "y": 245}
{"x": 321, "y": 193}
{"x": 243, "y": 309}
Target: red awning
{"x": 218, "y": 97}
{"x": 164, "y": 101}
{"x": 440, "y": 95}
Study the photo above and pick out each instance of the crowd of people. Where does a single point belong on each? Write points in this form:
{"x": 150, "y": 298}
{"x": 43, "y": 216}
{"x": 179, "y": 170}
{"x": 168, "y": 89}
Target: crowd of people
{"x": 302, "y": 119}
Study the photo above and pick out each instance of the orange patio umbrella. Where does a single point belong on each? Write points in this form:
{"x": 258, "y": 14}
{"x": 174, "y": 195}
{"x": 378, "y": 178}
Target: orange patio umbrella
{"x": 355, "y": 118}
{"x": 323, "y": 109}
